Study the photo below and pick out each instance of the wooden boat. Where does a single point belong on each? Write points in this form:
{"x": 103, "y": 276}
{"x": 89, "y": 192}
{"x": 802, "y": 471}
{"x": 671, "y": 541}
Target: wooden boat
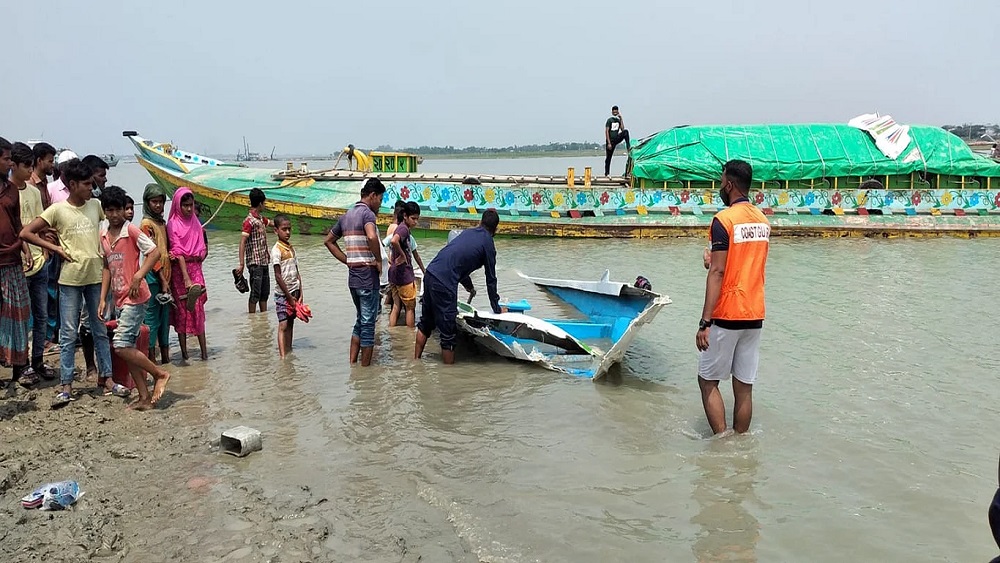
{"x": 812, "y": 180}
{"x": 613, "y": 314}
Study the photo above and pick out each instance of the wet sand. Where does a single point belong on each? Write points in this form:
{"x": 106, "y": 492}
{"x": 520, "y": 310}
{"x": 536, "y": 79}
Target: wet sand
{"x": 155, "y": 488}
{"x": 150, "y": 489}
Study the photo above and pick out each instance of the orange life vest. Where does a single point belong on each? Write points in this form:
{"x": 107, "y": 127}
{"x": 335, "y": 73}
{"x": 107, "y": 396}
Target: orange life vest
{"x": 742, "y": 295}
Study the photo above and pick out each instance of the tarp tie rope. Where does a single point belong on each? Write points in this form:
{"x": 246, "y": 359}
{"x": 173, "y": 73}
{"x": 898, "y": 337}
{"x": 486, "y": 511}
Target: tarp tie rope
{"x": 797, "y": 153}
{"x": 819, "y": 152}
{"x": 846, "y": 152}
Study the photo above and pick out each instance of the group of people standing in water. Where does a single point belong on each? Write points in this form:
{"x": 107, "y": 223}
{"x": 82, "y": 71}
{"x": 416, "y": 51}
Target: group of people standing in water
{"x": 362, "y": 252}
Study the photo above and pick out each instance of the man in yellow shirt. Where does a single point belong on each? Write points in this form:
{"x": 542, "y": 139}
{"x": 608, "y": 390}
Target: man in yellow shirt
{"x": 34, "y": 261}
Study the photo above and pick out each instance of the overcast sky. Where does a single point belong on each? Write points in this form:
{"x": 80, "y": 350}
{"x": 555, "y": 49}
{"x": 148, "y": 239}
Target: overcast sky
{"x": 313, "y": 76}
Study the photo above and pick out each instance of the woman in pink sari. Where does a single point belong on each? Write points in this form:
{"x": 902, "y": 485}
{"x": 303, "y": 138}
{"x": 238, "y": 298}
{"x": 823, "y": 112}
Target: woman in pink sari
{"x": 188, "y": 245}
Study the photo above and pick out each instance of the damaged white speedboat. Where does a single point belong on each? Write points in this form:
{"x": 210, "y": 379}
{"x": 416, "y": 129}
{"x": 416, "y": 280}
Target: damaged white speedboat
{"x": 613, "y": 313}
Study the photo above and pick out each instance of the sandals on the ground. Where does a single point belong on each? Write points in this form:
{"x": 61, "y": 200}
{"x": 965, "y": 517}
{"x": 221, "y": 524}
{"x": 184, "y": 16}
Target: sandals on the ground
{"x": 28, "y": 379}
{"x": 62, "y": 398}
{"x": 118, "y": 390}
{"x": 47, "y": 373}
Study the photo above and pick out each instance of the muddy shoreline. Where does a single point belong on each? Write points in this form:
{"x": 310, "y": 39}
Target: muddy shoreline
{"x": 152, "y": 491}
{"x": 157, "y": 489}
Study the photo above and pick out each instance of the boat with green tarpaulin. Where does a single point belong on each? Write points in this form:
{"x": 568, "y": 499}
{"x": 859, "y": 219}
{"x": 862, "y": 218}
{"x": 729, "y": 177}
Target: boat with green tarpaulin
{"x": 873, "y": 179}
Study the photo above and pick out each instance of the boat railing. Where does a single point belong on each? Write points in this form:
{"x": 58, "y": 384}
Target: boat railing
{"x": 338, "y": 174}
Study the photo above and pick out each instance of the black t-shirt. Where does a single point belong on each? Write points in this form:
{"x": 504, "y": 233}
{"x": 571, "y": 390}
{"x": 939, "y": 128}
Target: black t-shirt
{"x": 614, "y": 126}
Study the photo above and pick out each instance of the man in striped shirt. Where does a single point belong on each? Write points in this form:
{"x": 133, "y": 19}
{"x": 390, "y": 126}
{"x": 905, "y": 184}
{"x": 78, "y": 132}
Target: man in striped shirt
{"x": 362, "y": 253}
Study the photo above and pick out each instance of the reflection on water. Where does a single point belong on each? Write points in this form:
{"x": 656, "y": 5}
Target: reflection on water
{"x": 725, "y": 485}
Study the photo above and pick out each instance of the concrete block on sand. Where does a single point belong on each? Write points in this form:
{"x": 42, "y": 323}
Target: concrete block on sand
{"x": 240, "y": 441}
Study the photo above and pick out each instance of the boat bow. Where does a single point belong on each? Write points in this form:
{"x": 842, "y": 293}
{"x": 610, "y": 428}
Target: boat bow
{"x": 614, "y": 312}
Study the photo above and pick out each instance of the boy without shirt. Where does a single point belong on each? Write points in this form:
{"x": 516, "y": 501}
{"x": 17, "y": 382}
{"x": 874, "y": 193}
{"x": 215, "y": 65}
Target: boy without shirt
{"x": 76, "y": 222}
{"x": 125, "y": 279}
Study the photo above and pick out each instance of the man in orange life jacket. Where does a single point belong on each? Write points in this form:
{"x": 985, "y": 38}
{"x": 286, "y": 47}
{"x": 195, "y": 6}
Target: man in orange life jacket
{"x": 728, "y": 335}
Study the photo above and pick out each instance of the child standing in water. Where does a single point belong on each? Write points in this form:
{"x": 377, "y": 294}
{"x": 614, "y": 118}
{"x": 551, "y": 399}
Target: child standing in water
{"x": 188, "y": 249}
{"x": 125, "y": 278}
{"x": 392, "y": 297}
{"x": 253, "y": 252}
{"x": 154, "y": 198}
{"x": 288, "y": 292}
{"x": 385, "y": 287}
{"x": 401, "y": 277}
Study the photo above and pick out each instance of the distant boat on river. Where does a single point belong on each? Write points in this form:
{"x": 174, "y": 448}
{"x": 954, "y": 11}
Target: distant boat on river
{"x": 246, "y": 156}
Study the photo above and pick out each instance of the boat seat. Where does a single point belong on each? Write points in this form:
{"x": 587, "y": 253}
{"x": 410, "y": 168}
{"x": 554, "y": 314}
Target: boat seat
{"x": 584, "y": 330}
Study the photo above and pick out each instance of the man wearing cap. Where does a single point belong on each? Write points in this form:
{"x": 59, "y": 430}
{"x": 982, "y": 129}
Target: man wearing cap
{"x": 57, "y": 189}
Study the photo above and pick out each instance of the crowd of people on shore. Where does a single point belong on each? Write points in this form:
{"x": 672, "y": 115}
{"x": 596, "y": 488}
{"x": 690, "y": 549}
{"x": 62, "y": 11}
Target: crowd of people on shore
{"x": 74, "y": 270}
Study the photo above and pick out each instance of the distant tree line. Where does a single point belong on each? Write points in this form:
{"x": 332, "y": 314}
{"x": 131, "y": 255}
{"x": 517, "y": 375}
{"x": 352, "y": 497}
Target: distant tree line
{"x": 975, "y": 131}
{"x": 513, "y": 149}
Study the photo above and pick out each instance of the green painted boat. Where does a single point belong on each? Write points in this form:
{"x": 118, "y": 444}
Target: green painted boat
{"x": 811, "y": 180}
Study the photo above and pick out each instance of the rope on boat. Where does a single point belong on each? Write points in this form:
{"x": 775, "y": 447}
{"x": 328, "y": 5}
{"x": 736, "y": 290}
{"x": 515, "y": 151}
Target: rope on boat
{"x": 231, "y": 192}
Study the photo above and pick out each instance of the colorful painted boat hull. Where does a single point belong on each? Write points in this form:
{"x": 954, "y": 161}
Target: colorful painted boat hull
{"x": 976, "y": 215}
{"x": 546, "y": 209}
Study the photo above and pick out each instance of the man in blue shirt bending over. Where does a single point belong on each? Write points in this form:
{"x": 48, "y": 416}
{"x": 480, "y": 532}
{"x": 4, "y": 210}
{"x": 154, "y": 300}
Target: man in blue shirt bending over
{"x": 471, "y": 250}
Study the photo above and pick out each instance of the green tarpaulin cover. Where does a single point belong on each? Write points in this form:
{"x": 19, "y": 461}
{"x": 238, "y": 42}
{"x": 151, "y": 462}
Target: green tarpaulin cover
{"x": 800, "y": 152}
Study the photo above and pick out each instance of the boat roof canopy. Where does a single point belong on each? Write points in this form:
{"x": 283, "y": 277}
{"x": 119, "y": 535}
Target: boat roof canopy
{"x": 800, "y": 152}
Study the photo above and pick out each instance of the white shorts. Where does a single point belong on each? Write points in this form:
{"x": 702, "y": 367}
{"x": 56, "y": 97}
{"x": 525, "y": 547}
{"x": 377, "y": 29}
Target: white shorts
{"x": 730, "y": 352}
